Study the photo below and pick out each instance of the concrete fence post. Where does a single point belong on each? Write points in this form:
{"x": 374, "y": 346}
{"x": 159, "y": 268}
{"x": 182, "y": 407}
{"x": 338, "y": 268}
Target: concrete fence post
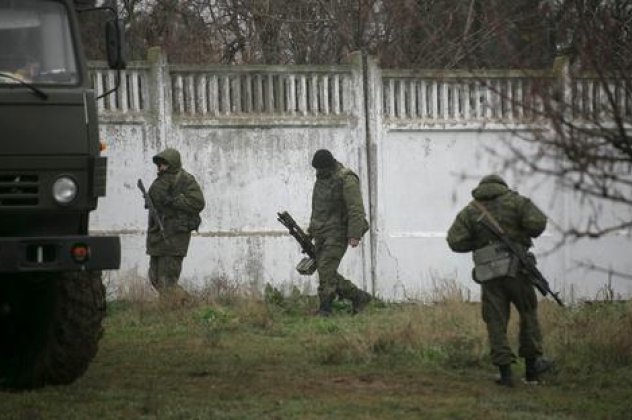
{"x": 561, "y": 68}
{"x": 368, "y": 108}
{"x": 159, "y": 90}
{"x": 374, "y": 131}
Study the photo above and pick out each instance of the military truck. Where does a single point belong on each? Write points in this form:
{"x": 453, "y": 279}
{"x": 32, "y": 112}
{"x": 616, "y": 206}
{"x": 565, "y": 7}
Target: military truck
{"x": 52, "y": 298}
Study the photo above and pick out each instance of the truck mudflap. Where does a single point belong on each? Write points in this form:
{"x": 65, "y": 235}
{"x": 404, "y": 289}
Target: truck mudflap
{"x": 60, "y": 253}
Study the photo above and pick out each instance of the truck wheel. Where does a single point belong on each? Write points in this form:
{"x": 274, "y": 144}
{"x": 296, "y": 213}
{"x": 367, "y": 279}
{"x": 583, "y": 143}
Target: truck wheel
{"x": 50, "y": 326}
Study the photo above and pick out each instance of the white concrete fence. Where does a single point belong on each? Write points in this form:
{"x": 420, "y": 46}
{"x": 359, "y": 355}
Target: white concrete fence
{"x": 247, "y": 133}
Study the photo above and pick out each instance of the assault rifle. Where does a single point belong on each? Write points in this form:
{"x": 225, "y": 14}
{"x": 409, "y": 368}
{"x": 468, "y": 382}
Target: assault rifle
{"x": 153, "y": 212}
{"x": 307, "y": 265}
{"x": 535, "y": 276}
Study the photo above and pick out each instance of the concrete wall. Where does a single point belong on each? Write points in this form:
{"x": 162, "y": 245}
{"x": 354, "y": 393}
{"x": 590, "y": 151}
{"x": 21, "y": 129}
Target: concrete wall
{"x": 248, "y": 132}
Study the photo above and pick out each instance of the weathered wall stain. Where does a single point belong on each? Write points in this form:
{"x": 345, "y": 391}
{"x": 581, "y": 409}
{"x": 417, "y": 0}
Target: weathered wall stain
{"x": 251, "y": 155}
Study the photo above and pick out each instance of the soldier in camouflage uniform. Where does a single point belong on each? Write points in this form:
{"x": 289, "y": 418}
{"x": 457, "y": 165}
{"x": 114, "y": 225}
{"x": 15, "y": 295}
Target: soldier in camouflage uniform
{"x": 178, "y": 200}
{"x": 337, "y": 221}
{"x": 521, "y": 220}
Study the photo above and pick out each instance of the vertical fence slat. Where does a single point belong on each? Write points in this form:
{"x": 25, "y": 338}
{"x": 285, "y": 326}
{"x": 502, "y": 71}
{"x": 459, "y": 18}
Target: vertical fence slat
{"x": 478, "y": 100}
{"x": 270, "y": 93}
{"x": 235, "y": 86}
{"x": 135, "y": 93}
{"x": 347, "y": 96}
{"x": 213, "y": 95}
{"x": 589, "y": 98}
{"x": 302, "y": 95}
{"x": 178, "y": 95}
{"x": 324, "y": 91}
{"x": 467, "y": 103}
{"x": 401, "y": 98}
{"x": 578, "y": 102}
{"x": 434, "y": 98}
{"x": 391, "y": 98}
{"x": 200, "y": 95}
{"x": 247, "y": 93}
{"x": 412, "y": 98}
{"x": 423, "y": 98}
{"x": 456, "y": 101}
{"x": 335, "y": 100}
{"x": 488, "y": 99}
{"x": 291, "y": 94}
{"x": 189, "y": 96}
{"x": 226, "y": 105}
{"x": 99, "y": 89}
{"x": 123, "y": 95}
{"x": 259, "y": 103}
{"x": 509, "y": 100}
{"x": 113, "y": 97}
{"x": 313, "y": 94}
{"x": 445, "y": 106}
{"x": 280, "y": 94}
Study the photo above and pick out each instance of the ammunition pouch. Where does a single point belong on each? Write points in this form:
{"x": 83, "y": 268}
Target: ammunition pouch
{"x": 306, "y": 266}
{"x": 494, "y": 261}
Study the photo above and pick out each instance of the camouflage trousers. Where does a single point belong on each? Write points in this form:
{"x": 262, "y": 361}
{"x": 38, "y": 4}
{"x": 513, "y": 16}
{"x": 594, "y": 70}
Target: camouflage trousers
{"x": 498, "y": 295}
{"x": 329, "y": 253}
{"x": 164, "y": 272}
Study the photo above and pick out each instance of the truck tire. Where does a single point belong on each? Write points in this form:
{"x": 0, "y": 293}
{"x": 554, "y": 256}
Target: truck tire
{"x": 50, "y": 326}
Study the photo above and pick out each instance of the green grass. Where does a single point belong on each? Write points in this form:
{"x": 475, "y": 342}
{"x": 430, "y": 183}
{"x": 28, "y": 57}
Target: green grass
{"x": 248, "y": 358}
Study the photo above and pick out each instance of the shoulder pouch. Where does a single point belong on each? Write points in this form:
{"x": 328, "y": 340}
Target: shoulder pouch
{"x": 494, "y": 261}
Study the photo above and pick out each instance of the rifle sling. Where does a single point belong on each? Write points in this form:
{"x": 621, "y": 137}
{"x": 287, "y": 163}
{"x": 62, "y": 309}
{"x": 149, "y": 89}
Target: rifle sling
{"x": 485, "y": 213}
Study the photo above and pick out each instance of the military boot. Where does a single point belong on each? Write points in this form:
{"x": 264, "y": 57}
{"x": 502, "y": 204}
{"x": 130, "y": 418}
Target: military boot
{"x": 506, "y": 377}
{"x": 360, "y": 300}
{"x": 534, "y": 367}
{"x": 325, "y": 307}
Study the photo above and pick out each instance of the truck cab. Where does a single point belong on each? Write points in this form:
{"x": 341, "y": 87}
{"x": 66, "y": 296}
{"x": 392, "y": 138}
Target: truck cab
{"x": 51, "y": 176}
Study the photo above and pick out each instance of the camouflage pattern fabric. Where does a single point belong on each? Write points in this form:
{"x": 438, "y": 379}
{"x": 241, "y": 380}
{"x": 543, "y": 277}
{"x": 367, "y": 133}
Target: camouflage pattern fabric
{"x": 164, "y": 272}
{"x": 497, "y": 295}
{"x": 337, "y": 215}
{"x": 179, "y": 200}
{"x": 337, "y": 209}
{"x": 522, "y": 221}
{"x": 329, "y": 253}
{"x": 518, "y": 216}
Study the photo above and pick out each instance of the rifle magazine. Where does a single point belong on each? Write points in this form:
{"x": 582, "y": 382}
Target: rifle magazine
{"x": 307, "y": 266}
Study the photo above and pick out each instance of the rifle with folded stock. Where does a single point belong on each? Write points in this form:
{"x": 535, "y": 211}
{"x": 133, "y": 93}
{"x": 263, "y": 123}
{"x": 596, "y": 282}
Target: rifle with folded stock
{"x": 536, "y": 277}
{"x": 307, "y": 265}
{"x": 153, "y": 212}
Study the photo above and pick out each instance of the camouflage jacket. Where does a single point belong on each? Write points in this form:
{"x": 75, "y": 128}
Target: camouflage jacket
{"x": 179, "y": 200}
{"x": 517, "y": 215}
{"x": 337, "y": 209}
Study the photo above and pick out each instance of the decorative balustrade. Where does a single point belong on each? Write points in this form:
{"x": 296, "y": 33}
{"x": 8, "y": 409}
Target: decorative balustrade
{"x": 463, "y": 97}
{"x": 592, "y": 98}
{"x": 272, "y": 90}
{"x": 420, "y": 97}
{"x": 132, "y": 95}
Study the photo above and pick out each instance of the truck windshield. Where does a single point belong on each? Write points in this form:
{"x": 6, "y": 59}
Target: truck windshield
{"x": 36, "y": 43}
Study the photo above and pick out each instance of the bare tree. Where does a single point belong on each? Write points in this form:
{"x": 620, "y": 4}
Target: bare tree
{"x": 588, "y": 108}
{"x": 401, "y": 33}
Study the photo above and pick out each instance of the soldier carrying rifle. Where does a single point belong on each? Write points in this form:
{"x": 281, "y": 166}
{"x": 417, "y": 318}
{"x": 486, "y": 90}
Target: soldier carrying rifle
{"x": 338, "y": 221}
{"x": 498, "y": 226}
{"x": 174, "y": 201}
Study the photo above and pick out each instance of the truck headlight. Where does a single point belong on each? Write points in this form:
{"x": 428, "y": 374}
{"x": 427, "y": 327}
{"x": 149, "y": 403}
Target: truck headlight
{"x": 64, "y": 190}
